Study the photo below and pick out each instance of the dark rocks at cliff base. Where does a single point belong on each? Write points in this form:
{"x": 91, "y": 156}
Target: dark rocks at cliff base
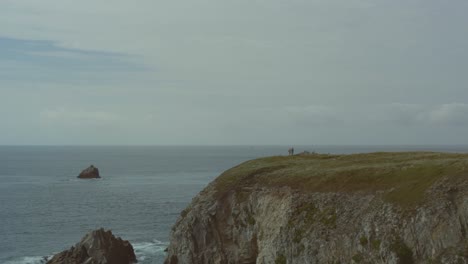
{"x": 90, "y": 173}
{"x": 97, "y": 247}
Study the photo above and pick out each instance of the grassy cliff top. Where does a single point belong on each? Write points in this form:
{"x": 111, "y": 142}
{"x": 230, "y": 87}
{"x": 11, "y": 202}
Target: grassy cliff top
{"x": 405, "y": 176}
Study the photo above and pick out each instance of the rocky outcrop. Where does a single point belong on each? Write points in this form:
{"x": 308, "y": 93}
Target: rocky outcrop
{"x": 97, "y": 247}
{"x": 380, "y": 208}
{"x": 90, "y": 173}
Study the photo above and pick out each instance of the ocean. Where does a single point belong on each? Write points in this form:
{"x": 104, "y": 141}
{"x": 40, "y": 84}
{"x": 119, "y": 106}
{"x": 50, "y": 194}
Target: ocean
{"x": 45, "y": 209}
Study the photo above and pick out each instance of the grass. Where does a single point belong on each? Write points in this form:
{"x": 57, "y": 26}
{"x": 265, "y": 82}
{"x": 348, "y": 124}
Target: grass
{"x": 328, "y": 217}
{"x": 308, "y": 210}
{"x": 358, "y": 258}
{"x": 403, "y": 252}
{"x": 376, "y": 244}
{"x": 405, "y": 176}
{"x": 298, "y": 235}
{"x": 363, "y": 241}
{"x": 280, "y": 259}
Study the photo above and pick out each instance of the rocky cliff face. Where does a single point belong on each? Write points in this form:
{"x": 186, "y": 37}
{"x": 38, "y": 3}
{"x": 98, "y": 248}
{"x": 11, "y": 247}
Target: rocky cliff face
{"x": 375, "y": 208}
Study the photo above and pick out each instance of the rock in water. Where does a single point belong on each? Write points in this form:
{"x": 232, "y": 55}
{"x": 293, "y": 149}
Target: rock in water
{"x": 90, "y": 173}
{"x": 97, "y": 247}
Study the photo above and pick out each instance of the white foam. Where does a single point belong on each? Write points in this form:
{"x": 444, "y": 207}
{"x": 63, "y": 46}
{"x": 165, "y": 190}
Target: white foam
{"x": 143, "y": 250}
{"x": 146, "y": 250}
{"x": 29, "y": 260}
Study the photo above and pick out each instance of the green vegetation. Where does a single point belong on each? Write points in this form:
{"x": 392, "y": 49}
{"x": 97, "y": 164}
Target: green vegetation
{"x": 250, "y": 219}
{"x": 298, "y": 235}
{"x": 242, "y": 196}
{"x": 328, "y": 217}
{"x": 363, "y": 241}
{"x": 404, "y": 176}
{"x": 309, "y": 214}
{"x": 308, "y": 210}
{"x": 357, "y": 258}
{"x": 403, "y": 252}
{"x": 280, "y": 259}
{"x": 375, "y": 243}
{"x": 184, "y": 212}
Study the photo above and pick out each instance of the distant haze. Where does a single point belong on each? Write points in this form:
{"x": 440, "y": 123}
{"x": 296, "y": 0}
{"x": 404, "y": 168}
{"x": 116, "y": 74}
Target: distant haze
{"x": 233, "y": 72}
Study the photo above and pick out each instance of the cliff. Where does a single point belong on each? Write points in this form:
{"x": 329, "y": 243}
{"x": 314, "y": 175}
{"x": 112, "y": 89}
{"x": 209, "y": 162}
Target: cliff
{"x": 363, "y": 208}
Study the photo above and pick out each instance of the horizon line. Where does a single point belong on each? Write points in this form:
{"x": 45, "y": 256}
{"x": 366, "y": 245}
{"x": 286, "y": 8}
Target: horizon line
{"x": 234, "y": 145}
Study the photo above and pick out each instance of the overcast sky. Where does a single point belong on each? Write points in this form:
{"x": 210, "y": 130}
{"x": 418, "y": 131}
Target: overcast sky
{"x": 233, "y": 72}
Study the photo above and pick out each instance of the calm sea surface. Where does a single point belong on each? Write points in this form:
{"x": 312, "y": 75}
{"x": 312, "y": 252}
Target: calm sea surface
{"x": 45, "y": 209}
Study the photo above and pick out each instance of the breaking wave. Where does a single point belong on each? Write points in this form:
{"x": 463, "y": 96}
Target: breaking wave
{"x": 143, "y": 251}
{"x": 146, "y": 250}
{"x": 29, "y": 260}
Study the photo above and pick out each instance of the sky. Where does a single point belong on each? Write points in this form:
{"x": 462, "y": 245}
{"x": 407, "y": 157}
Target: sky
{"x": 243, "y": 72}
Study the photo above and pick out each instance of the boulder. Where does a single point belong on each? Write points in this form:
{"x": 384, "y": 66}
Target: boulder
{"x": 97, "y": 247}
{"x": 90, "y": 173}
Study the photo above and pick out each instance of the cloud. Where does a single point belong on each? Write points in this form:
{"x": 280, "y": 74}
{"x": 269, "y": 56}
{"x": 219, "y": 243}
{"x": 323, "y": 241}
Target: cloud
{"x": 398, "y": 113}
{"x": 25, "y": 60}
{"x": 222, "y": 68}
{"x": 394, "y": 114}
{"x": 315, "y": 115}
{"x": 453, "y": 114}
{"x": 449, "y": 114}
{"x": 83, "y": 118}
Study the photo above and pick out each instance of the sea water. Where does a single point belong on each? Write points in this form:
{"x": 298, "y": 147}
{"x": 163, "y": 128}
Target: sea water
{"x": 45, "y": 209}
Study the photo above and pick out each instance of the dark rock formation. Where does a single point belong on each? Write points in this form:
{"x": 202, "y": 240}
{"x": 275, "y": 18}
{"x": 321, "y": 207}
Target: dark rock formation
{"x": 97, "y": 247}
{"x": 90, "y": 173}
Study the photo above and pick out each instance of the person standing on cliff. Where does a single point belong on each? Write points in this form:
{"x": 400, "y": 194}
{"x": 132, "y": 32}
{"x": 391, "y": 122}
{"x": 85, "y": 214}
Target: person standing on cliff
{"x": 291, "y": 151}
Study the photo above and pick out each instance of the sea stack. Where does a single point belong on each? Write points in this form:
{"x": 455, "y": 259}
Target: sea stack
{"x": 90, "y": 173}
{"x": 97, "y": 247}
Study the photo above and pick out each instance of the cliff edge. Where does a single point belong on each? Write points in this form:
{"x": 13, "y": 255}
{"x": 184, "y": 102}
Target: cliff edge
{"x": 365, "y": 208}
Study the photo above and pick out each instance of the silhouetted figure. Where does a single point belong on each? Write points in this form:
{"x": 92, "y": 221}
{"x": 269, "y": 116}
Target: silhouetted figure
{"x": 291, "y": 151}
